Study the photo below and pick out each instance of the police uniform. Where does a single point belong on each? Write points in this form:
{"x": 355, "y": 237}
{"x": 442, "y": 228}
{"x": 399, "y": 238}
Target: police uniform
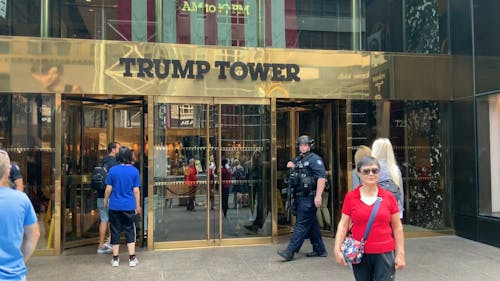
{"x": 15, "y": 174}
{"x": 308, "y": 169}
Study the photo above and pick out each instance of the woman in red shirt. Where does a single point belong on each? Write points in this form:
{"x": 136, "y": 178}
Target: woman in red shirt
{"x": 191, "y": 183}
{"x": 384, "y": 248}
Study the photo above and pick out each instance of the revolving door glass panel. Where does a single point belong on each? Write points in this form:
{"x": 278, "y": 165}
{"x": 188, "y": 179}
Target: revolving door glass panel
{"x": 84, "y": 143}
{"x": 88, "y": 126}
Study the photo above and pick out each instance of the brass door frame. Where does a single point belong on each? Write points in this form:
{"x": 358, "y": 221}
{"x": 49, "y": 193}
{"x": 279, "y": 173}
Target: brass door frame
{"x": 331, "y": 122}
{"x": 210, "y": 241}
{"x": 59, "y": 244}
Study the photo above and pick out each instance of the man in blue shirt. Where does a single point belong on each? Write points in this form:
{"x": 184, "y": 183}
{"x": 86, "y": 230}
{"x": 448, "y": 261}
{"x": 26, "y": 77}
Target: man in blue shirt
{"x": 122, "y": 196}
{"x": 18, "y": 220}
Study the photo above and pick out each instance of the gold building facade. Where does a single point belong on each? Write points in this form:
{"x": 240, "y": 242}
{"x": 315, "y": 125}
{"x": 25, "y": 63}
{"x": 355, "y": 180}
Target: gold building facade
{"x": 68, "y": 98}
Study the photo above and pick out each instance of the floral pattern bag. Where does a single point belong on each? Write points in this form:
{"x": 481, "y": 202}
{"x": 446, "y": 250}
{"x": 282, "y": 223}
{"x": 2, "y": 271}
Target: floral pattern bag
{"x": 353, "y": 249}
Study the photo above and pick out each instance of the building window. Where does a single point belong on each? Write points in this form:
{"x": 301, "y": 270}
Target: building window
{"x": 20, "y": 18}
{"x": 488, "y": 134}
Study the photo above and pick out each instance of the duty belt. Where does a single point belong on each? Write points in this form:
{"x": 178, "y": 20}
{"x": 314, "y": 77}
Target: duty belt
{"x": 305, "y": 194}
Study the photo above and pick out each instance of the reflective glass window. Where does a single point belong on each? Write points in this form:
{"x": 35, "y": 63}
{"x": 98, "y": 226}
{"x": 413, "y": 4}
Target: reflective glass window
{"x": 488, "y": 131}
{"x": 123, "y": 20}
{"x": 404, "y": 26}
{"x": 27, "y": 133}
{"x": 20, "y": 18}
{"x": 417, "y": 131}
{"x": 486, "y": 45}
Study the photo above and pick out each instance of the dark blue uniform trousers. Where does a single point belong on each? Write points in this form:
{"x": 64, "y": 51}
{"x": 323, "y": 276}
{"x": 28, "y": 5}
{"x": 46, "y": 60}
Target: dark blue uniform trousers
{"x": 306, "y": 226}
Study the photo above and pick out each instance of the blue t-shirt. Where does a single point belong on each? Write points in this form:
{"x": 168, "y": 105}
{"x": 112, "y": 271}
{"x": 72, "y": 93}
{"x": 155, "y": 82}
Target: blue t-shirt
{"x": 16, "y": 212}
{"x": 123, "y": 178}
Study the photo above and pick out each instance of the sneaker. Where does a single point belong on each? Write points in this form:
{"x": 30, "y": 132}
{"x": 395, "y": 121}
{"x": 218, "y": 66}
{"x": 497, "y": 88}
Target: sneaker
{"x": 317, "y": 254}
{"x": 287, "y": 255}
{"x": 104, "y": 250}
{"x": 252, "y": 227}
{"x": 133, "y": 262}
{"x": 108, "y": 245}
{"x": 115, "y": 263}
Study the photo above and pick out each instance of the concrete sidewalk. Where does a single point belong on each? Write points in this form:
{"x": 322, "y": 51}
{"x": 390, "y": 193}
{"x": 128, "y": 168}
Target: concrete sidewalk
{"x": 430, "y": 259}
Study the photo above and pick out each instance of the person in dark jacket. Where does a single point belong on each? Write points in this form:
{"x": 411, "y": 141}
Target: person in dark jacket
{"x": 15, "y": 176}
{"x": 108, "y": 161}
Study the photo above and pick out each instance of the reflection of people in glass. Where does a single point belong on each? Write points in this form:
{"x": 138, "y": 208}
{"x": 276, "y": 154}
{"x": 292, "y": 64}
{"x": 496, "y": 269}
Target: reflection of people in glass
{"x": 384, "y": 250}
{"x": 50, "y": 77}
{"x": 254, "y": 171}
{"x": 191, "y": 183}
{"x": 226, "y": 178}
{"x": 308, "y": 177}
{"x": 240, "y": 189}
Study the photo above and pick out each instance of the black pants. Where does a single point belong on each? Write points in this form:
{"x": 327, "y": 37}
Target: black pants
{"x": 192, "y": 195}
{"x": 225, "y": 199}
{"x": 378, "y": 267}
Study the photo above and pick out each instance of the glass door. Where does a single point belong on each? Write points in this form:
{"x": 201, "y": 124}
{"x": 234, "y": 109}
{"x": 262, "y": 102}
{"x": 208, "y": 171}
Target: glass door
{"x": 84, "y": 142}
{"x": 318, "y": 119}
{"x": 198, "y": 199}
{"x": 88, "y": 125}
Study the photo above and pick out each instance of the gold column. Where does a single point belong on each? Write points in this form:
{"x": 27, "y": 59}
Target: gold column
{"x": 274, "y": 177}
{"x": 44, "y": 19}
{"x": 151, "y": 156}
{"x": 159, "y": 20}
{"x": 349, "y": 147}
{"x": 57, "y": 174}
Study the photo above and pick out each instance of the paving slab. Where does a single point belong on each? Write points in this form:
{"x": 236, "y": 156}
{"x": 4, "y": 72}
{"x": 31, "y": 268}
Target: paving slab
{"x": 441, "y": 258}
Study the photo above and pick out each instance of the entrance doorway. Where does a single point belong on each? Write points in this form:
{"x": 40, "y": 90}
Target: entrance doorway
{"x": 199, "y": 149}
{"x": 320, "y": 120}
{"x": 89, "y": 124}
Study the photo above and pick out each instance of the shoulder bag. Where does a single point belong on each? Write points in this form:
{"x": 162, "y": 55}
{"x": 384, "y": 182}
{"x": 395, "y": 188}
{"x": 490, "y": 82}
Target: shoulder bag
{"x": 353, "y": 249}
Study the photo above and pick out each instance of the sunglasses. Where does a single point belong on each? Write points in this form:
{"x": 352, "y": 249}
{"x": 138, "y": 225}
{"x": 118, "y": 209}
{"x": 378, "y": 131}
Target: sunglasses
{"x": 366, "y": 172}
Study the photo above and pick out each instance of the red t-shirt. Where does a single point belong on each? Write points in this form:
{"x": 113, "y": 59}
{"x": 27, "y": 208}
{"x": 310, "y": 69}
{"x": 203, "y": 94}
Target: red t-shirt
{"x": 226, "y": 177}
{"x": 380, "y": 240}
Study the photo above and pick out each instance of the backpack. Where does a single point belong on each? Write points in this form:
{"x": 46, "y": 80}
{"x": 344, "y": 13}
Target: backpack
{"x": 239, "y": 174}
{"x": 99, "y": 175}
{"x": 389, "y": 185}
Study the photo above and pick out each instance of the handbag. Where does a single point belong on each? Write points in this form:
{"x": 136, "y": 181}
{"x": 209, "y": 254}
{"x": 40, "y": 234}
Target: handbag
{"x": 353, "y": 249}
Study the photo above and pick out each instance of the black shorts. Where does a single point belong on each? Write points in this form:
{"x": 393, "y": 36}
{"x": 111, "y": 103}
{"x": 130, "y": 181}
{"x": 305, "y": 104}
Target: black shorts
{"x": 122, "y": 221}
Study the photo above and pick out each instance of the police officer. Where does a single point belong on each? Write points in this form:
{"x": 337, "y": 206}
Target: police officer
{"x": 308, "y": 178}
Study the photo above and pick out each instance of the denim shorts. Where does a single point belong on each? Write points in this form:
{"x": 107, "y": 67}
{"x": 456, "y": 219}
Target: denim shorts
{"x": 103, "y": 213}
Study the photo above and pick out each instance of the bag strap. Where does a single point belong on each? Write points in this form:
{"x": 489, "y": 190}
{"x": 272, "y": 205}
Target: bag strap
{"x": 372, "y": 218}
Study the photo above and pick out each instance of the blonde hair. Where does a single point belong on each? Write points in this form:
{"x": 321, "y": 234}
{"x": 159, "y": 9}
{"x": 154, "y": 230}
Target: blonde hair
{"x": 382, "y": 150}
{"x": 361, "y": 152}
{"x": 4, "y": 165}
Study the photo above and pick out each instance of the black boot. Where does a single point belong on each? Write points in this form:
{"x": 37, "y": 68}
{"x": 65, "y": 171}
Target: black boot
{"x": 287, "y": 255}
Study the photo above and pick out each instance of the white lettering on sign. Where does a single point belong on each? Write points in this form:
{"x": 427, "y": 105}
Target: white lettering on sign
{"x": 3, "y": 8}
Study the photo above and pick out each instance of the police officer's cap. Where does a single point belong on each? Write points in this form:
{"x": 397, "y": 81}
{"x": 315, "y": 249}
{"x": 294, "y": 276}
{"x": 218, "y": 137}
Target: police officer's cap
{"x": 304, "y": 139}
